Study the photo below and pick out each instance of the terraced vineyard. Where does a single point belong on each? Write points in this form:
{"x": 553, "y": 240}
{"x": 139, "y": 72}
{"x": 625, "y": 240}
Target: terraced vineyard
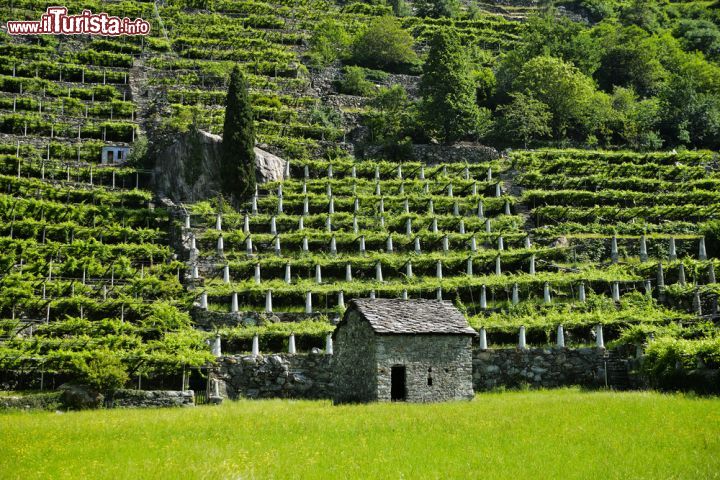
{"x": 355, "y": 229}
{"x": 91, "y": 272}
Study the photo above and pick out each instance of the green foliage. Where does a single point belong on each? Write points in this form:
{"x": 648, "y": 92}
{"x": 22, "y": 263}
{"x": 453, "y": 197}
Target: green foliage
{"x": 400, "y": 8}
{"x": 525, "y": 118}
{"x": 690, "y": 115}
{"x": 699, "y": 35}
{"x": 385, "y": 45}
{"x": 673, "y": 364}
{"x": 646, "y": 14}
{"x": 632, "y": 62}
{"x": 392, "y": 119}
{"x": 329, "y": 42}
{"x": 354, "y": 82}
{"x": 437, "y": 8}
{"x": 103, "y": 371}
{"x": 139, "y": 156}
{"x": 571, "y": 98}
{"x": 449, "y": 109}
{"x": 237, "y": 165}
{"x": 485, "y": 82}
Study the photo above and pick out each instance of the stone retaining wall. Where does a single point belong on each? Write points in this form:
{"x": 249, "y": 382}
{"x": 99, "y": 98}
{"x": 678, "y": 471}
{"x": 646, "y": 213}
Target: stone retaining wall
{"x": 311, "y": 376}
{"x": 538, "y": 367}
{"x": 153, "y": 398}
{"x": 277, "y": 375}
{"x": 121, "y": 399}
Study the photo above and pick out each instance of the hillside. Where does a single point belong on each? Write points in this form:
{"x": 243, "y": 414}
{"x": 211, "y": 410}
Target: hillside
{"x": 98, "y": 272}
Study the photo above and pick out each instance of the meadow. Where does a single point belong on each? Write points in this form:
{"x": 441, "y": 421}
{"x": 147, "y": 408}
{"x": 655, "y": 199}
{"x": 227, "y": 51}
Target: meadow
{"x": 522, "y": 434}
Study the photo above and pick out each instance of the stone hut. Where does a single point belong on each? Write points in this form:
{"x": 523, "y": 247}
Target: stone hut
{"x": 114, "y": 154}
{"x": 402, "y": 350}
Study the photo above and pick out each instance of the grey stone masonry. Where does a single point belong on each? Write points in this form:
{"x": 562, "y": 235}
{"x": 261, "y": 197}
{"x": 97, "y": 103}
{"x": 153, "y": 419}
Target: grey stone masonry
{"x": 538, "y": 367}
{"x": 403, "y": 350}
{"x": 153, "y": 398}
{"x": 363, "y": 373}
{"x": 355, "y": 363}
{"x": 437, "y": 367}
{"x": 275, "y": 376}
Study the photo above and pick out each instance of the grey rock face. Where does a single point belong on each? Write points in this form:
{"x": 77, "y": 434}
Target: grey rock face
{"x": 270, "y": 168}
{"x": 188, "y": 169}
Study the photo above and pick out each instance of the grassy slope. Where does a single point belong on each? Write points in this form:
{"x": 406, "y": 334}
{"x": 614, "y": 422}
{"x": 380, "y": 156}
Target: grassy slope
{"x": 547, "y": 434}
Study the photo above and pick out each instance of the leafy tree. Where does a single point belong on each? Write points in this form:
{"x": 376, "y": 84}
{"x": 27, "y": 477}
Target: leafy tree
{"x": 449, "y": 108}
{"x": 646, "y": 14}
{"x": 552, "y": 34}
{"x": 329, "y": 42}
{"x": 562, "y": 87}
{"x": 237, "y": 159}
{"x": 700, "y": 35}
{"x": 526, "y": 118}
{"x": 485, "y": 82}
{"x": 632, "y": 62}
{"x": 636, "y": 120}
{"x": 391, "y": 117}
{"x": 597, "y": 10}
{"x": 139, "y": 156}
{"x": 400, "y": 8}
{"x": 690, "y": 116}
{"x": 437, "y": 8}
{"x": 384, "y": 45}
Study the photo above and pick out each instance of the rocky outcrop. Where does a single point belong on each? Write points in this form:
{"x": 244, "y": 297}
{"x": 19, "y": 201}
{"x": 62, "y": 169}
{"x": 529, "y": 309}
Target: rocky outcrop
{"x": 269, "y": 167}
{"x": 188, "y": 167}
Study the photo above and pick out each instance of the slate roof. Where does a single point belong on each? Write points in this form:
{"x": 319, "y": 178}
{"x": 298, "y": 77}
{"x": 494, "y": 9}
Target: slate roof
{"x": 393, "y": 315}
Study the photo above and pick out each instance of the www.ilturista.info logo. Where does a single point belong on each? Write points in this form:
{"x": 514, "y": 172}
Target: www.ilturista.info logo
{"x": 56, "y": 21}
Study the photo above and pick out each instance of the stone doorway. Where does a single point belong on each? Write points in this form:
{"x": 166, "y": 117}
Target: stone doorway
{"x": 398, "y": 390}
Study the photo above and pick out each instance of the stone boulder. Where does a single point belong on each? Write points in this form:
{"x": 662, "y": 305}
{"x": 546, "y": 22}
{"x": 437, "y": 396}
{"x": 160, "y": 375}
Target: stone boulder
{"x": 80, "y": 397}
{"x": 269, "y": 167}
{"x": 187, "y": 168}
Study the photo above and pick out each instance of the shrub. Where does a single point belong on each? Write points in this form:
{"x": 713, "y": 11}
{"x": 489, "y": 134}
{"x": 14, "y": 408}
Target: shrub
{"x": 104, "y": 371}
{"x": 355, "y": 82}
{"x": 385, "y": 45}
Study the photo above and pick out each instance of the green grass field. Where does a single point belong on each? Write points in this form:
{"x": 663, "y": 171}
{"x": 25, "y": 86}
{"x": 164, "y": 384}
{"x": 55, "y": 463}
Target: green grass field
{"x": 546, "y": 434}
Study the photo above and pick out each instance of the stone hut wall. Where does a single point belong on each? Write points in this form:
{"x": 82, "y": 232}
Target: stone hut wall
{"x": 446, "y": 359}
{"x": 355, "y": 361}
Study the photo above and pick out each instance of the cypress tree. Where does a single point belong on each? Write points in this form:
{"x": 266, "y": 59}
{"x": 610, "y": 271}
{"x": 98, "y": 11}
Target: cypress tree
{"x": 448, "y": 108}
{"x": 237, "y": 162}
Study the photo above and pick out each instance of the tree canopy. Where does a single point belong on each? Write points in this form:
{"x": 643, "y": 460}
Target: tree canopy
{"x": 449, "y": 109}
